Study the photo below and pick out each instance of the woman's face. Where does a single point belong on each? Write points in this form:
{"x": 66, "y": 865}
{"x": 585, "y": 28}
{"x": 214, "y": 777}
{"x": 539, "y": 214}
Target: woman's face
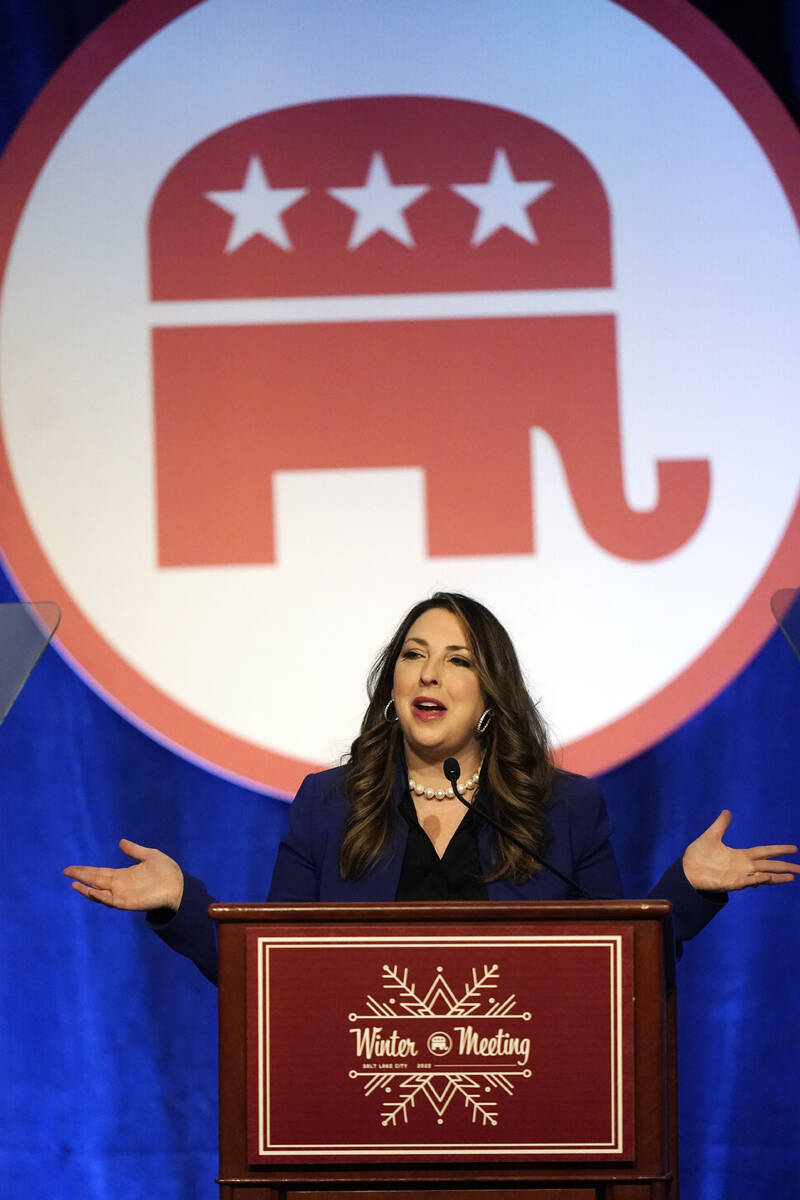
{"x": 436, "y": 691}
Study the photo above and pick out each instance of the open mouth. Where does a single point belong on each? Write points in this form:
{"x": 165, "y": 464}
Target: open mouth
{"x": 428, "y": 709}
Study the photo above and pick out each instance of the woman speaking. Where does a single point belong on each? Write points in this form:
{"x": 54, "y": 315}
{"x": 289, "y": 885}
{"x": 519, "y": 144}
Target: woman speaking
{"x": 387, "y": 825}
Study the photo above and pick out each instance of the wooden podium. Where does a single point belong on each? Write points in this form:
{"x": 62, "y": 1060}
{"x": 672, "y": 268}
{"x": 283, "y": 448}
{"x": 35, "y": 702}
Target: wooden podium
{"x": 494, "y": 1050}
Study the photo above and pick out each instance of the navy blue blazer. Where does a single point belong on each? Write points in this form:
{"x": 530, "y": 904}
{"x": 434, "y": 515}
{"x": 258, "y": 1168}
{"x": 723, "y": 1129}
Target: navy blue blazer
{"x": 307, "y": 866}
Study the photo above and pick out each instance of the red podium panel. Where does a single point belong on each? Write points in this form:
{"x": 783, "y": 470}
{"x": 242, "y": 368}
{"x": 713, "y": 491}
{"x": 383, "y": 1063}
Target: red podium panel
{"x": 445, "y": 1049}
{"x": 452, "y": 1043}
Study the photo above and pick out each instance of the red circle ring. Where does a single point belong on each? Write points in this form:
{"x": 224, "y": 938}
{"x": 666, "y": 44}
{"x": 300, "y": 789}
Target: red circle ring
{"x": 199, "y": 740}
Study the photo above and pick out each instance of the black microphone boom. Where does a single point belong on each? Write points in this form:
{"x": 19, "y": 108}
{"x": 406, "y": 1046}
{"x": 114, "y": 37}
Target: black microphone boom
{"x": 452, "y": 771}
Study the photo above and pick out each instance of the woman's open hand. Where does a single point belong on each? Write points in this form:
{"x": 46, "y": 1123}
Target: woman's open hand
{"x": 155, "y": 881}
{"x": 711, "y": 866}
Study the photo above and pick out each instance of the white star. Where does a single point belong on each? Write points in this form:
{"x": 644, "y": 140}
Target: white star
{"x": 379, "y": 205}
{"x": 503, "y": 201}
{"x": 256, "y": 208}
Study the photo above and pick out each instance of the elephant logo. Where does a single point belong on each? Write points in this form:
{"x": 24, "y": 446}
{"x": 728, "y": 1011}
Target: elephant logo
{"x": 440, "y": 1043}
{"x": 295, "y": 331}
{"x": 422, "y": 297}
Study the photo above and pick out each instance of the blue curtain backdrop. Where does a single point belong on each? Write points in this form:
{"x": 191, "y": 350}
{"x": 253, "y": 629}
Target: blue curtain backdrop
{"x": 109, "y": 1041}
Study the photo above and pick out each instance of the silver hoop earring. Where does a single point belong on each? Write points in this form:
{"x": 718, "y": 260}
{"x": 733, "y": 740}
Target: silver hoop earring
{"x": 484, "y": 722}
{"x": 390, "y": 720}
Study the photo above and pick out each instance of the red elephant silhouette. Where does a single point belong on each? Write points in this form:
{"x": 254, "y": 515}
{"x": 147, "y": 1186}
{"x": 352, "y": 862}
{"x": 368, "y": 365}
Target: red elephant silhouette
{"x": 378, "y": 235}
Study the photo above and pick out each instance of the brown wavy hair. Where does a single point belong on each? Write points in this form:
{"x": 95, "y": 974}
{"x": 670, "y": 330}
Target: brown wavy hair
{"x": 517, "y": 772}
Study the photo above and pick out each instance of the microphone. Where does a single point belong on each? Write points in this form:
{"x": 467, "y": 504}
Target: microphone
{"x": 452, "y": 771}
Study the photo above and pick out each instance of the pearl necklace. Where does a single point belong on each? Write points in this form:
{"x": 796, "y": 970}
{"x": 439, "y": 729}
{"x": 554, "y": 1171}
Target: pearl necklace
{"x": 441, "y": 793}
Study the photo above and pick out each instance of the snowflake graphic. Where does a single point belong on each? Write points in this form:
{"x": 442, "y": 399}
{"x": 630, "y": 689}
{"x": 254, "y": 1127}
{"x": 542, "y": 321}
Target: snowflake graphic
{"x": 440, "y": 1086}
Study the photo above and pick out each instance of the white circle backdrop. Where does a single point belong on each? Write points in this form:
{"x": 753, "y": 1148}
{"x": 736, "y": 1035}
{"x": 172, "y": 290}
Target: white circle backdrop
{"x": 706, "y": 261}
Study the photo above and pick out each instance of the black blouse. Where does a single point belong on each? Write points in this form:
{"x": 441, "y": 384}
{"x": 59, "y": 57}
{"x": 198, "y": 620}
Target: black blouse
{"x": 454, "y": 876}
